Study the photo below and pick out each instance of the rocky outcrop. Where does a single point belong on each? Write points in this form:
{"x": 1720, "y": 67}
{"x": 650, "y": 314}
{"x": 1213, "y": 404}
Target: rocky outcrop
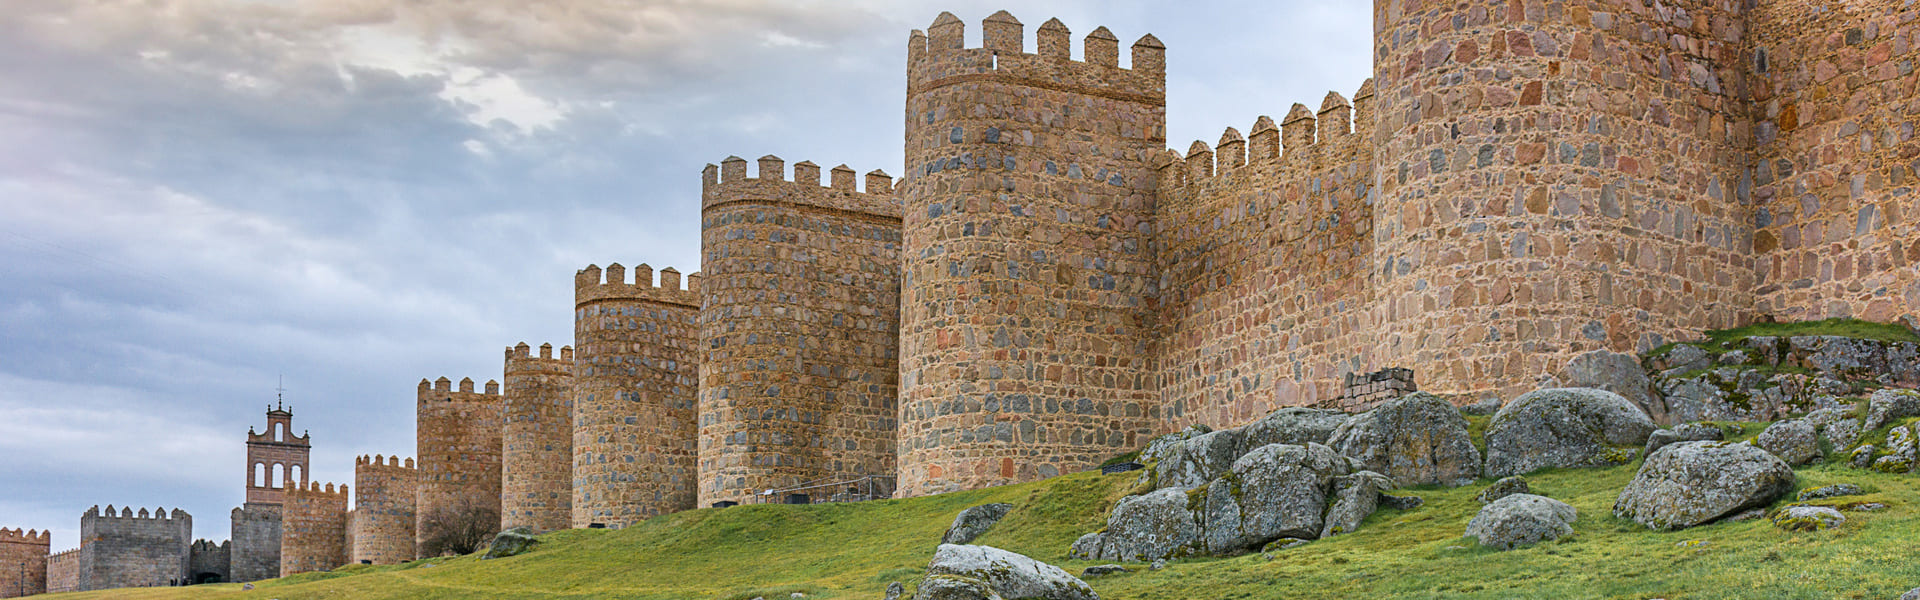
{"x": 1190, "y": 461}
{"x": 973, "y": 522}
{"x": 512, "y": 542}
{"x": 1297, "y": 426}
{"x": 1693, "y": 483}
{"x": 1837, "y": 426}
{"x": 1354, "y": 497}
{"x": 1808, "y": 518}
{"x": 1690, "y": 432}
{"x": 1830, "y": 491}
{"x": 1617, "y": 373}
{"x": 1900, "y": 451}
{"x": 1765, "y": 378}
{"x": 980, "y": 572}
{"x": 1889, "y": 405}
{"x": 1416, "y": 439}
{"x": 1144, "y": 527}
{"x": 1794, "y": 441}
{"x": 1507, "y": 486}
{"x": 1566, "y": 427}
{"x": 1521, "y": 520}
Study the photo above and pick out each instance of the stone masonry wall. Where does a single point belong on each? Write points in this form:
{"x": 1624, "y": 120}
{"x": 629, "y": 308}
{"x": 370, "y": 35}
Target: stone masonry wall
{"x": 256, "y": 542}
{"x": 208, "y": 562}
{"x": 1556, "y": 177}
{"x": 63, "y": 571}
{"x": 1264, "y": 258}
{"x": 23, "y": 562}
{"x": 636, "y": 373}
{"x": 1836, "y": 100}
{"x": 385, "y": 490}
{"x": 536, "y": 446}
{"x": 315, "y": 525}
{"x": 128, "y": 549}
{"x": 1029, "y": 285}
{"x": 800, "y": 328}
{"x": 458, "y": 442}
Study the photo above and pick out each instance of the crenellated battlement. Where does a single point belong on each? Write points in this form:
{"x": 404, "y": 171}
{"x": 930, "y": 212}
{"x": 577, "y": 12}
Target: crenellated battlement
{"x": 315, "y": 489}
{"x": 939, "y": 57}
{"x": 520, "y": 356}
{"x": 728, "y": 183}
{"x": 206, "y": 545}
{"x": 378, "y": 461}
{"x": 127, "y": 514}
{"x": 30, "y": 536}
{"x": 589, "y": 285}
{"x": 1305, "y": 138}
{"x": 443, "y": 388}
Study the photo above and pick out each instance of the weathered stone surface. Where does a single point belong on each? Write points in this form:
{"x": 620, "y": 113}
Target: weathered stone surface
{"x": 1277, "y": 491}
{"x": 1401, "y": 502}
{"x": 1691, "y": 483}
{"x": 1618, "y": 373}
{"x": 1566, "y": 427}
{"x": 1192, "y": 462}
{"x": 1148, "y": 526}
{"x": 1889, "y": 405}
{"x": 1793, "y": 441}
{"x": 1862, "y": 456}
{"x": 512, "y": 542}
{"x": 1831, "y": 491}
{"x": 973, "y": 522}
{"x": 1486, "y": 406}
{"x": 1913, "y": 594}
{"x": 1297, "y": 426}
{"x": 1416, "y": 439}
{"x": 1355, "y": 497}
{"x": 1506, "y": 486}
{"x": 1521, "y": 520}
{"x": 1007, "y": 574}
{"x": 954, "y": 587}
{"x": 1808, "y": 518}
{"x": 1683, "y": 358}
{"x": 894, "y": 590}
{"x": 1101, "y": 570}
{"x": 1688, "y": 432}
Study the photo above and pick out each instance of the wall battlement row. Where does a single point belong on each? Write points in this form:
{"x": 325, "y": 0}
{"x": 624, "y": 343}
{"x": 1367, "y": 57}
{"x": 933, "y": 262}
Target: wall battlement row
{"x": 523, "y": 351}
{"x": 30, "y": 536}
{"x": 1305, "y": 139}
{"x": 589, "y": 285}
{"x": 466, "y": 386}
{"x": 729, "y": 182}
{"x": 158, "y": 514}
{"x": 379, "y": 460}
{"x": 940, "y": 56}
{"x": 314, "y": 488}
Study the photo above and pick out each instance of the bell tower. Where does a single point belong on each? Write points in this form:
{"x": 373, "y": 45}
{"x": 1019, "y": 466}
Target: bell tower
{"x": 276, "y": 458}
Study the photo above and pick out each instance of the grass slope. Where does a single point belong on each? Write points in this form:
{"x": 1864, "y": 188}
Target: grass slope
{"x": 854, "y": 550}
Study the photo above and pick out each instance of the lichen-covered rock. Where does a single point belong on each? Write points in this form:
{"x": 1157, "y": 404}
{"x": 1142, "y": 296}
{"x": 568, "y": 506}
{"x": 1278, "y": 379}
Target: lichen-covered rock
{"x": 1506, "y": 486}
{"x": 1008, "y": 574}
{"x": 1566, "y": 427}
{"x": 894, "y": 590}
{"x": 1688, "y": 432}
{"x": 1087, "y": 547}
{"x": 1297, "y": 426}
{"x": 1843, "y": 433}
{"x": 1521, "y": 520}
{"x": 1792, "y": 440}
{"x": 1862, "y": 457}
{"x": 1691, "y": 483}
{"x": 1893, "y": 464}
{"x": 1889, "y": 405}
{"x": 1913, "y": 594}
{"x": 1831, "y": 491}
{"x": 1401, "y": 502}
{"x": 1355, "y": 497}
{"x": 1416, "y": 439}
{"x": 1682, "y": 358}
{"x": 512, "y": 542}
{"x": 973, "y": 522}
{"x": 1808, "y": 518}
{"x": 1486, "y": 406}
{"x": 1190, "y": 463}
{"x": 955, "y": 587}
{"x": 1101, "y": 570}
{"x": 1618, "y": 373}
{"x": 1148, "y": 526}
{"x": 1722, "y": 394}
{"x": 1276, "y": 491}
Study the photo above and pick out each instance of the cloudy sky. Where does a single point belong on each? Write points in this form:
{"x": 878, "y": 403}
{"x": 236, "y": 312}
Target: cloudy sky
{"x": 198, "y": 197}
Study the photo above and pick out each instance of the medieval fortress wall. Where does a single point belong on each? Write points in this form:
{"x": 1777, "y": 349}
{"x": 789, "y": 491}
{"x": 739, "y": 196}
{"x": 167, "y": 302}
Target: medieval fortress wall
{"x": 536, "y": 445}
{"x": 26, "y": 552}
{"x": 315, "y": 534}
{"x": 384, "y": 495}
{"x": 636, "y": 374}
{"x": 458, "y": 441}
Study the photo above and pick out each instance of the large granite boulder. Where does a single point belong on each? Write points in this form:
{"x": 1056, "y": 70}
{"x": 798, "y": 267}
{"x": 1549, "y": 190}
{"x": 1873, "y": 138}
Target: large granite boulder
{"x": 1416, "y": 439}
{"x": 1618, "y": 373}
{"x": 512, "y": 542}
{"x": 1506, "y": 486}
{"x": 1889, "y": 405}
{"x": 1688, "y": 432}
{"x": 1191, "y": 462}
{"x": 973, "y": 522}
{"x": 1354, "y": 497}
{"x": 1145, "y": 527}
{"x": 1566, "y": 427}
{"x": 1521, "y": 520}
{"x": 957, "y": 571}
{"x": 1276, "y": 491}
{"x": 1297, "y": 426}
{"x": 1793, "y": 440}
{"x": 1692, "y": 483}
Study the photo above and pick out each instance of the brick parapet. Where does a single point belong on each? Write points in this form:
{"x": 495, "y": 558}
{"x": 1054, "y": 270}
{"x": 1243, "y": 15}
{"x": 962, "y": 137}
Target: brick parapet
{"x": 800, "y": 330}
{"x": 1834, "y": 173}
{"x": 23, "y": 562}
{"x": 458, "y": 444}
{"x": 314, "y": 521}
{"x": 1028, "y": 285}
{"x": 385, "y": 490}
{"x": 536, "y": 461}
{"x": 636, "y": 372}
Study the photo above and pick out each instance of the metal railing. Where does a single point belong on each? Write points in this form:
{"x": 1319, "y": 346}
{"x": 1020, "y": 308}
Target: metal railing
{"x": 857, "y": 489}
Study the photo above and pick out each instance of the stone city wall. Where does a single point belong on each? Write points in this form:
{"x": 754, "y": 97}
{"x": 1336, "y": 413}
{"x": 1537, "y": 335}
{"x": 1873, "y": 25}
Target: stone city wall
{"x": 63, "y": 571}
{"x": 458, "y": 442}
{"x": 636, "y": 373}
{"x": 800, "y": 328}
{"x": 129, "y": 549}
{"x": 208, "y": 562}
{"x": 385, "y": 490}
{"x": 23, "y": 562}
{"x": 314, "y": 521}
{"x": 536, "y": 446}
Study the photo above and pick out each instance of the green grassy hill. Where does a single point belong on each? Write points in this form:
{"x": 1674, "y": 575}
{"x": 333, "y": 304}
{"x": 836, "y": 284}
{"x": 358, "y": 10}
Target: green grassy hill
{"x": 854, "y": 550}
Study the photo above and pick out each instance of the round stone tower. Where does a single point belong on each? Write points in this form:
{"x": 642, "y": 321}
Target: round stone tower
{"x": 384, "y": 490}
{"x": 800, "y": 331}
{"x": 458, "y": 440}
{"x": 636, "y": 369}
{"x": 1555, "y": 178}
{"x": 536, "y": 445}
{"x": 1029, "y": 286}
